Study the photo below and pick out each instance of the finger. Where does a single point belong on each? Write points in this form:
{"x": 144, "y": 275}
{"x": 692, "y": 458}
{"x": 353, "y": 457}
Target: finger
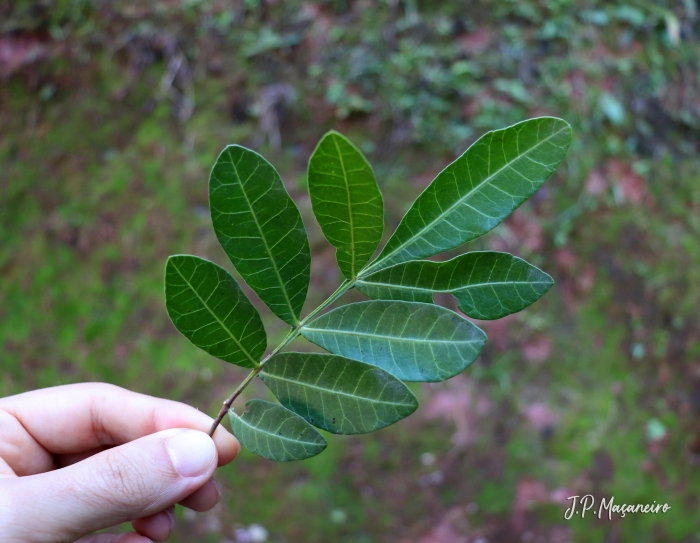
{"x": 19, "y": 449}
{"x": 203, "y": 499}
{"x": 6, "y": 470}
{"x": 130, "y": 537}
{"x": 77, "y": 418}
{"x": 127, "y": 482}
{"x": 65, "y": 460}
{"x": 157, "y": 527}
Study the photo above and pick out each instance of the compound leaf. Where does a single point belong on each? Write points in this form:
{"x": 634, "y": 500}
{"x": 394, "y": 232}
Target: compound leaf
{"x": 477, "y": 191}
{"x": 413, "y": 341}
{"x": 346, "y": 201}
{"x": 271, "y": 431}
{"x": 206, "y": 304}
{"x": 337, "y": 394}
{"x": 260, "y": 229}
{"x": 488, "y": 285}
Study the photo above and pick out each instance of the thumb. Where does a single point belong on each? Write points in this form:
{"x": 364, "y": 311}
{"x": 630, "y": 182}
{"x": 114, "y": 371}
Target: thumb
{"x": 131, "y": 481}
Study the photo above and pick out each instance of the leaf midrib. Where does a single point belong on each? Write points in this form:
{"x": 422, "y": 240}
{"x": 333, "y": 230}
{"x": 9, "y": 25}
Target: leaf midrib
{"x": 204, "y": 303}
{"x": 391, "y": 338}
{"x": 329, "y": 391}
{"x": 277, "y": 436}
{"x": 423, "y": 289}
{"x": 264, "y": 239}
{"x": 449, "y": 210}
{"x": 350, "y": 218}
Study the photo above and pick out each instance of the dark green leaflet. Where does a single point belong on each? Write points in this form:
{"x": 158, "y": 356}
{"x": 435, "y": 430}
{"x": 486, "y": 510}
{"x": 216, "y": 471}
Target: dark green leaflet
{"x": 346, "y": 201}
{"x": 413, "y": 341}
{"x": 487, "y": 285}
{"x": 337, "y": 394}
{"x": 478, "y": 190}
{"x": 271, "y": 431}
{"x": 260, "y": 229}
{"x": 206, "y": 304}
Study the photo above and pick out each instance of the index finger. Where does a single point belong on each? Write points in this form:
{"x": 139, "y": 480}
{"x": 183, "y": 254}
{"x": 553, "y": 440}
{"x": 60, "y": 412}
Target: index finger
{"x": 76, "y": 418}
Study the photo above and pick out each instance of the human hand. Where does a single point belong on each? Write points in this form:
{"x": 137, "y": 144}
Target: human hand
{"x": 121, "y": 456}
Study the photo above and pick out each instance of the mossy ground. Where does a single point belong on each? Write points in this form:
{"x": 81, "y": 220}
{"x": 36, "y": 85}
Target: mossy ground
{"x": 107, "y": 134}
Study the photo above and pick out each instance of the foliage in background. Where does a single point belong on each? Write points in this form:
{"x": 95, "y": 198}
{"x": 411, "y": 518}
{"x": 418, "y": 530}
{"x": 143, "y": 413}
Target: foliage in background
{"x": 111, "y": 112}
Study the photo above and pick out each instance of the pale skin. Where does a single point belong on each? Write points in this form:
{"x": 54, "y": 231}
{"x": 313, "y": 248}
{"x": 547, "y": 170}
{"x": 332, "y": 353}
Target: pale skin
{"x": 79, "y": 458}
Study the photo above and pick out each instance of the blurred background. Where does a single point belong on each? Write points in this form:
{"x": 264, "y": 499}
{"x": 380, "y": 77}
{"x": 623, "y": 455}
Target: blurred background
{"x": 113, "y": 112}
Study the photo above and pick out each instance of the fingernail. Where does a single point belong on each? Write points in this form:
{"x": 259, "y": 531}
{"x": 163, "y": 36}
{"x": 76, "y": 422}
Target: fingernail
{"x": 191, "y": 452}
{"x": 171, "y": 517}
{"x": 217, "y": 486}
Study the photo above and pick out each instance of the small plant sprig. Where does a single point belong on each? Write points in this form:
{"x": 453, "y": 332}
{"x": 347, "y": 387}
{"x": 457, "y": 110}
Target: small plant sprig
{"x": 399, "y": 334}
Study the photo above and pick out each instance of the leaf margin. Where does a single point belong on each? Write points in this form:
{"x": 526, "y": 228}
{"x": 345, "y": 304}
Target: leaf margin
{"x": 372, "y": 289}
{"x": 327, "y": 422}
{"x": 380, "y": 262}
{"x": 242, "y": 299}
{"x": 293, "y": 314}
{"x": 356, "y": 266}
{"x": 236, "y": 420}
{"x": 458, "y": 359}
